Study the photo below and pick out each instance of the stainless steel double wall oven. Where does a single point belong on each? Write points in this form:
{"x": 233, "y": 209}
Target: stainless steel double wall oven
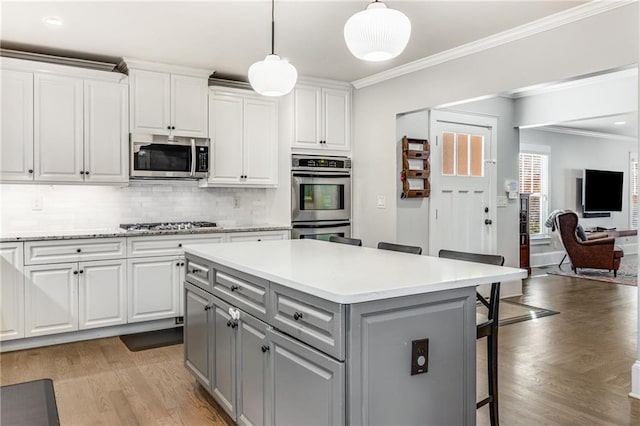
{"x": 320, "y": 196}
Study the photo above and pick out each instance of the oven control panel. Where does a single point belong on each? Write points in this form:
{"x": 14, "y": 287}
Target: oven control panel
{"x": 312, "y": 162}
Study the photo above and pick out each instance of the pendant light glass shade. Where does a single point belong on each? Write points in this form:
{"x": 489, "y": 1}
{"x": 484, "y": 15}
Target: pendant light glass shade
{"x": 273, "y": 76}
{"x": 377, "y": 33}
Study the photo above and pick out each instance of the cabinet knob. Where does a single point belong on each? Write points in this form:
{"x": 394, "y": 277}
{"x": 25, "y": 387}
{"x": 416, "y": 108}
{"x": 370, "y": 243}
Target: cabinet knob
{"x": 179, "y": 244}
{"x": 30, "y": 170}
{"x": 75, "y": 272}
{"x": 297, "y": 315}
{"x": 488, "y": 221}
{"x": 82, "y": 271}
{"x": 81, "y": 172}
{"x": 208, "y": 307}
{"x": 178, "y": 264}
{"x": 86, "y": 173}
{"x": 79, "y": 250}
{"x": 264, "y": 348}
{"x": 168, "y": 127}
{"x": 232, "y": 324}
{"x": 234, "y": 287}
{"x": 173, "y": 127}
{"x": 195, "y": 271}
{"x": 181, "y": 263}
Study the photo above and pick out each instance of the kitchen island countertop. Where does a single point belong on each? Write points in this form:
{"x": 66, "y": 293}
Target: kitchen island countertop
{"x": 348, "y": 274}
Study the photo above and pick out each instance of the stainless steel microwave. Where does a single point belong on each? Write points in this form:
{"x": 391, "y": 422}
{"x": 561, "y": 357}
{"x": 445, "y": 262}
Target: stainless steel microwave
{"x": 159, "y": 156}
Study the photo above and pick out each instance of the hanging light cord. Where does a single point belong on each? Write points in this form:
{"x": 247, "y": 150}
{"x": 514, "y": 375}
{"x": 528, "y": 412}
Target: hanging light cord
{"x": 273, "y": 25}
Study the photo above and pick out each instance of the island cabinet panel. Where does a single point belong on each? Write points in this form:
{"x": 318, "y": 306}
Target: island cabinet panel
{"x": 198, "y": 342}
{"x": 252, "y": 371}
{"x": 313, "y": 320}
{"x": 308, "y": 387}
{"x": 247, "y": 292}
{"x": 199, "y": 273}
{"x": 223, "y": 377}
{"x": 380, "y": 355}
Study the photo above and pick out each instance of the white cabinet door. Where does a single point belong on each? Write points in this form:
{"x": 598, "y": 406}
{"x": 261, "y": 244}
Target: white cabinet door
{"x": 51, "y": 299}
{"x": 258, "y": 236}
{"x": 153, "y": 288}
{"x": 307, "y": 116}
{"x": 11, "y": 291}
{"x": 16, "y": 116}
{"x": 150, "y": 93}
{"x": 106, "y": 132}
{"x": 260, "y": 148}
{"x": 189, "y": 106}
{"x": 58, "y": 128}
{"x": 226, "y": 131}
{"x": 337, "y": 119}
{"x": 102, "y": 293}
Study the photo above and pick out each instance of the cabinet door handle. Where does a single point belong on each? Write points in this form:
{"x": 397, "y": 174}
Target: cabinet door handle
{"x": 178, "y": 264}
{"x": 234, "y": 287}
{"x": 75, "y": 272}
{"x": 208, "y": 307}
{"x": 179, "y": 244}
{"x": 30, "y": 170}
{"x": 79, "y": 250}
{"x": 82, "y": 271}
{"x": 168, "y": 127}
{"x": 264, "y": 348}
{"x": 173, "y": 127}
{"x": 86, "y": 173}
{"x": 232, "y": 324}
{"x": 297, "y": 315}
{"x": 195, "y": 271}
{"x": 181, "y": 263}
{"x": 81, "y": 172}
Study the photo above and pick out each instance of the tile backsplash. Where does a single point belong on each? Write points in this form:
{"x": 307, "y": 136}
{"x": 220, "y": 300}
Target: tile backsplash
{"x": 25, "y": 208}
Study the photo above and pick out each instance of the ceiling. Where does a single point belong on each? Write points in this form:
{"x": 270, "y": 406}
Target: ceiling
{"x": 606, "y": 125}
{"x": 228, "y": 36}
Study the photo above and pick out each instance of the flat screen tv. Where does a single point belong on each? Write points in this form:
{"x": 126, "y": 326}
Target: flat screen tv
{"x": 602, "y": 191}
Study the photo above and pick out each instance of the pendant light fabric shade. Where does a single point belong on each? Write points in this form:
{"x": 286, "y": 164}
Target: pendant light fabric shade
{"x": 377, "y": 33}
{"x": 273, "y": 76}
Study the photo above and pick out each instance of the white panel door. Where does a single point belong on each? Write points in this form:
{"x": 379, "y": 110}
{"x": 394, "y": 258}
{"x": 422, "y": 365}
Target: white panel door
{"x": 189, "y": 106}
{"x": 226, "y": 131}
{"x": 102, "y": 293}
{"x": 16, "y": 131}
{"x": 260, "y": 149}
{"x": 58, "y": 140}
{"x": 51, "y": 299}
{"x": 106, "y": 132}
{"x": 11, "y": 291}
{"x": 154, "y": 288}
{"x": 307, "y": 116}
{"x": 150, "y": 93}
{"x": 462, "y": 202}
{"x": 337, "y": 119}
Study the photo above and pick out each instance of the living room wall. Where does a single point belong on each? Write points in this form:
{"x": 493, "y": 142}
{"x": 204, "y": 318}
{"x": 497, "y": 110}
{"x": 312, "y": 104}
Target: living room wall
{"x": 569, "y": 155}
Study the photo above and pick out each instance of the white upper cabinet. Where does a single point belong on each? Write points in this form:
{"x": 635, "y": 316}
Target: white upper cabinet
{"x": 244, "y": 139}
{"x": 167, "y": 100}
{"x": 322, "y": 117}
{"x": 63, "y": 124}
{"x": 16, "y": 116}
{"x": 58, "y": 128}
{"x": 106, "y": 132}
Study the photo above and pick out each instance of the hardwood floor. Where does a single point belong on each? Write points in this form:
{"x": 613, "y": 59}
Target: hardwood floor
{"x": 568, "y": 369}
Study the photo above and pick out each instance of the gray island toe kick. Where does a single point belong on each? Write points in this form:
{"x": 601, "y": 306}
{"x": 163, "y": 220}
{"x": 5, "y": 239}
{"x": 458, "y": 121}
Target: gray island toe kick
{"x": 307, "y": 332}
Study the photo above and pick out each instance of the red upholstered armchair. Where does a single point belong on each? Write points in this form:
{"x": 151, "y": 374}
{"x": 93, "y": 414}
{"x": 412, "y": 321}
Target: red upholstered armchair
{"x": 598, "y": 254}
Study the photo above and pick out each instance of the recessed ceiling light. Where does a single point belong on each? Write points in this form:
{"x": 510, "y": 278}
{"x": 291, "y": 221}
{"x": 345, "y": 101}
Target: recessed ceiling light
{"x": 619, "y": 123}
{"x": 53, "y": 21}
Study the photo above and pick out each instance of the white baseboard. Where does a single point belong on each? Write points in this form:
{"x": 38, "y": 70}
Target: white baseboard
{"x": 76, "y": 336}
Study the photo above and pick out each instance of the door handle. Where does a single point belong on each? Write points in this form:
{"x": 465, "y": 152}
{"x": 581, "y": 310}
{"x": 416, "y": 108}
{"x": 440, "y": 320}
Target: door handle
{"x": 488, "y": 221}
{"x": 193, "y": 157}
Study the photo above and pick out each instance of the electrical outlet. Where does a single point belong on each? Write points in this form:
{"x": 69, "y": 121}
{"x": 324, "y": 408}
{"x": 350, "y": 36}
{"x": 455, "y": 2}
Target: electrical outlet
{"x": 419, "y": 356}
{"x": 502, "y": 201}
{"x": 37, "y": 203}
{"x": 236, "y": 202}
{"x": 382, "y": 202}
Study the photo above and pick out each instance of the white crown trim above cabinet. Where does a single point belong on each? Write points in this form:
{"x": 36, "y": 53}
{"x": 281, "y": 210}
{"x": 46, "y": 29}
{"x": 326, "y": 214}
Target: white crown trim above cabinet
{"x": 168, "y": 100}
{"x": 244, "y": 139}
{"x": 64, "y": 125}
{"x": 322, "y": 117}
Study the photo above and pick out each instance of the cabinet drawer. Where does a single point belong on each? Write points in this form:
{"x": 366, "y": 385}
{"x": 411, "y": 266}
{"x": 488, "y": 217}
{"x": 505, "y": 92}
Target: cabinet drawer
{"x": 315, "y": 321}
{"x": 199, "y": 272}
{"x": 42, "y": 252}
{"x": 247, "y": 292}
{"x": 166, "y": 245}
{"x": 258, "y": 236}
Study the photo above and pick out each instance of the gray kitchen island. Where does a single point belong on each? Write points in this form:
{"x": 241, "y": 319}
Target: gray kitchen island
{"x": 307, "y": 332}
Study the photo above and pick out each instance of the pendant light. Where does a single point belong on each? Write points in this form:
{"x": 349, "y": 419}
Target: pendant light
{"x": 273, "y": 76}
{"x": 377, "y": 33}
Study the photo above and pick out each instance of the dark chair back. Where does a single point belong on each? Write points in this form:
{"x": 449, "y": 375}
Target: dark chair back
{"x": 345, "y": 240}
{"x": 399, "y": 247}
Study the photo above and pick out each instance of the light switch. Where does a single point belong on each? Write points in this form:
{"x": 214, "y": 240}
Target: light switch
{"x": 382, "y": 202}
{"x": 37, "y": 203}
{"x": 502, "y": 201}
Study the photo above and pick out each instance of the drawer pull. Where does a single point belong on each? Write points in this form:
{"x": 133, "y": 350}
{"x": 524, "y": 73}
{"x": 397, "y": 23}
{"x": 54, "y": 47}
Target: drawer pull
{"x": 297, "y": 315}
{"x": 232, "y": 324}
{"x": 264, "y": 348}
{"x": 234, "y": 288}
{"x": 208, "y": 307}
{"x": 180, "y": 245}
{"x": 195, "y": 271}
{"x": 78, "y": 250}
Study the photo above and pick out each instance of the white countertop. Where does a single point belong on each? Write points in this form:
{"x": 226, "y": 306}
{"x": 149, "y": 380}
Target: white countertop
{"x": 349, "y": 274}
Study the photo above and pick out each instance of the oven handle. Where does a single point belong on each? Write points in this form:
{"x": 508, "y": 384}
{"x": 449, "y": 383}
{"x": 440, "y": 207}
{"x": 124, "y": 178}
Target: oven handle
{"x": 321, "y": 174}
{"x": 193, "y": 157}
{"x": 321, "y": 226}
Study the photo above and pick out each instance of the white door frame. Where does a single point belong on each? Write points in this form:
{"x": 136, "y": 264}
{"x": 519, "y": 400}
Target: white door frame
{"x": 469, "y": 119}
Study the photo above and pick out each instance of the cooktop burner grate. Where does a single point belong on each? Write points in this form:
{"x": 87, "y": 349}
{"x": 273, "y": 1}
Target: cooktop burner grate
{"x": 161, "y": 226}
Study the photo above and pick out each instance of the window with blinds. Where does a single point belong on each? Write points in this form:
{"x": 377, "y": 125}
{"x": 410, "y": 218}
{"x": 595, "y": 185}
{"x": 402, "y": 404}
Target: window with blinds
{"x": 633, "y": 201}
{"x": 533, "y": 181}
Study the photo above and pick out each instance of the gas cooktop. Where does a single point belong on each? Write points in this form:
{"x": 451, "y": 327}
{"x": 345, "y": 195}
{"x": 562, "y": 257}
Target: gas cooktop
{"x": 163, "y": 226}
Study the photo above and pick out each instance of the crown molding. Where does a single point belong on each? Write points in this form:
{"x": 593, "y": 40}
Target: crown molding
{"x": 31, "y": 65}
{"x": 59, "y": 60}
{"x": 585, "y": 133}
{"x": 565, "y": 17}
{"x": 127, "y": 64}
